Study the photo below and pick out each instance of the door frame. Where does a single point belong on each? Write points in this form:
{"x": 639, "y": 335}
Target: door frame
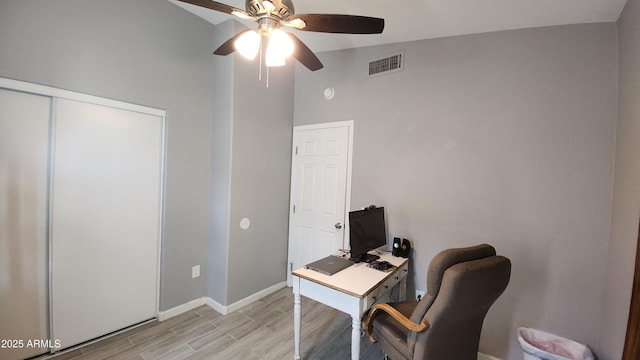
{"x": 632, "y": 339}
{"x": 349, "y": 124}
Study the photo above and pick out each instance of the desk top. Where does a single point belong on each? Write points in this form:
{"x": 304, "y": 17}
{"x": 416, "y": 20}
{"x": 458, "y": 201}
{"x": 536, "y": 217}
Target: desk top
{"x": 356, "y": 280}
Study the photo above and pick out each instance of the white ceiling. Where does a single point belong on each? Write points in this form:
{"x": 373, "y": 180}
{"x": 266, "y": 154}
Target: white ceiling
{"x": 407, "y": 20}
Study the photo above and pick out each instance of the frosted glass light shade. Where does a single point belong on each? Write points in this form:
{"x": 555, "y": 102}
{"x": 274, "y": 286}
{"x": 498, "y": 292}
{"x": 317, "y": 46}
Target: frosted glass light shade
{"x": 279, "y": 48}
{"x": 248, "y": 44}
{"x": 273, "y": 58}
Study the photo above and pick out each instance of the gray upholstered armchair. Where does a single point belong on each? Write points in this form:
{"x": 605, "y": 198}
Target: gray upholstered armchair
{"x": 462, "y": 284}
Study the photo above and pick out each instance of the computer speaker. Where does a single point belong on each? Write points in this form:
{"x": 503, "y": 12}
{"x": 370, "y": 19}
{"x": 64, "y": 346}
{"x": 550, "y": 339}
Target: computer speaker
{"x": 397, "y": 247}
{"x": 405, "y": 248}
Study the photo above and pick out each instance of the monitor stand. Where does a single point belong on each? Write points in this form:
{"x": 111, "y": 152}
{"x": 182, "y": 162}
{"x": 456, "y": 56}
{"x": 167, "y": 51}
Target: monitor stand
{"x": 366, "y": 257}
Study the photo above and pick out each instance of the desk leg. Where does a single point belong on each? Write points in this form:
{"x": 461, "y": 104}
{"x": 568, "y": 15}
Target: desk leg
{"x": 355, "y": 337}
{"x": 403, "y": 289}
{"x": 296, "y": 322}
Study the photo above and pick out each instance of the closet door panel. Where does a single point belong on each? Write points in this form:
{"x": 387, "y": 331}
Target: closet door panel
{"x": 24, "y": 141}
{"x": 106, "y": 219}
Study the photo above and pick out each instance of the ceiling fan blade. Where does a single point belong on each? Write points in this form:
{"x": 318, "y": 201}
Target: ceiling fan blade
{"x": 305, "y": 55}
{"x": 340, "y": 24}
{"x": 228, "y": 46}
{"x": 213, "y": 5}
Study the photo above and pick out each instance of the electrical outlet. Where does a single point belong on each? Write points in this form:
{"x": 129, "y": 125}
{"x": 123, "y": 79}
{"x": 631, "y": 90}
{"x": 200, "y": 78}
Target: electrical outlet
{"x": 419, "y": 295}
{"x": 195, "y": 271}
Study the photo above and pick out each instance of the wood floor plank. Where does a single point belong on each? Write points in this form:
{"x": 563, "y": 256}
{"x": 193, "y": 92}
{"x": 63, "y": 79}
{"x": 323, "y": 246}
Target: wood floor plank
{"x": 231, "y": 320}
{"x": 279, "y": 344}
{"x": 237, "y": 350}
{"x": 194, "y": 323}
{"x": 176, "y": 354}
{"x": 103, "y": 352}
{"x": 205, "y": 310}
{"x": 282, "y": 303}
{"x": 105, "y": 344}
{"x": 217, "y": 335}
{"x": 245, "y": 328}
{"x": 279, "y": 322}
{"x": 162, "y": 326}
{"x": 252, "y": 308}
{"x": 176, "y": 342}
{"x": 267, "y": 315}
{"x": 211, "y": 349}
{"x": 141, "y": 347}
{"x": 284, "y": 292}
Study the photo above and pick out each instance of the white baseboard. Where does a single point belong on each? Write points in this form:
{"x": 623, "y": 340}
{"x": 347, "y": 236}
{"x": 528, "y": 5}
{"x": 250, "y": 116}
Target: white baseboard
{"x": 222, "y": 309}
{"x": 216, "y": 306}
{"x": 482, "y": 356}
{"x": 180, "y": 309}
{"x": 257, "y": 296}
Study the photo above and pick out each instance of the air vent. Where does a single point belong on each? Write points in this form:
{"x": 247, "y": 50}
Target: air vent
{"x": 389, "y": 64}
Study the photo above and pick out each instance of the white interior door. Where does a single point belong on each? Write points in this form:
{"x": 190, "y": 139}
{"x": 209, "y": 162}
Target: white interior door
{"x": 106, "y": 215}
{"x": 320, "y": 190}
{"x": 24, "y": 148}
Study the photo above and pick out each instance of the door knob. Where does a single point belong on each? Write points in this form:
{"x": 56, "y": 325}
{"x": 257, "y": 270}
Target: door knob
{"x": 338, "y": 226}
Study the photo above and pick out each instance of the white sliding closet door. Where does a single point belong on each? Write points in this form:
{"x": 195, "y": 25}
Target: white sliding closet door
{"x": 24, "y": 148}
{"x": 106, "y": 205}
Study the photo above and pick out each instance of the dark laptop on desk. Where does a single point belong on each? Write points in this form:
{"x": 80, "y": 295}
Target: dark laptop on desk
{"x": 329, "y": 265}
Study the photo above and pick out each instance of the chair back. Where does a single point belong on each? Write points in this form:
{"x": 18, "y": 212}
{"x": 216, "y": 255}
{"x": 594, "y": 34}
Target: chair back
{"x": 441, "y": 262}
{"x": 465, "y": 292}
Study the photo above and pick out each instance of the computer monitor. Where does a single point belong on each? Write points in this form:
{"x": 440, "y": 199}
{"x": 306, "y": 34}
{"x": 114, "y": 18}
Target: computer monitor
{"x": 366, "y": 232}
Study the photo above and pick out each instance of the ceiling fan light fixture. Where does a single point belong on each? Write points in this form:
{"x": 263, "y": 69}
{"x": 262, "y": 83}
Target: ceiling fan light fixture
{"x": 274, "y": 14}
{"x": 248, "y": 44}
{"x": 280, "y": 47}
{"x": 272, "y": 59}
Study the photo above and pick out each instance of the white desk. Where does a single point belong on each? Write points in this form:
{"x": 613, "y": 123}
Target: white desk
{"x": 352, "y": 290}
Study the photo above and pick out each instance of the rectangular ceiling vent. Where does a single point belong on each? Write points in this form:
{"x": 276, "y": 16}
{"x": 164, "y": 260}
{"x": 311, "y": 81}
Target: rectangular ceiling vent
{"x": 387, "y": 65}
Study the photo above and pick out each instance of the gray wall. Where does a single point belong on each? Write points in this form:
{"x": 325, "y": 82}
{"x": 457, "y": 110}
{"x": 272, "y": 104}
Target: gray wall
{"x": 146, "y": 52}
{"x": 261, "y": 167}
{"x": 218, "y": 249}
{"x": 626, "y": 189}
{"x": 254, "y": 174}
{"x": 505, "y": 138}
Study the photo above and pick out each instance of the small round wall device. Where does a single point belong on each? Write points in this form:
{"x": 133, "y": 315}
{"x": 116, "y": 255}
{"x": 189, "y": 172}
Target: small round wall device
{"x": 329, "y": 93}
{"x": 245, "y": 223}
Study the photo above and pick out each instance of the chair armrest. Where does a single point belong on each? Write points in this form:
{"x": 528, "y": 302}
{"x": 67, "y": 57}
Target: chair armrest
{"x": 403, "y": 320}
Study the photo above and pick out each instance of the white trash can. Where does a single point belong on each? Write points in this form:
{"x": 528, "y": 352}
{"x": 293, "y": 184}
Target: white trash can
{"x": 539, "y": 345}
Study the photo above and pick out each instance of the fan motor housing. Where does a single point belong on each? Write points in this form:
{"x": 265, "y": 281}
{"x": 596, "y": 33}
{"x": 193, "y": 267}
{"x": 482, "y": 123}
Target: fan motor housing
{"x": 282, "y": 8}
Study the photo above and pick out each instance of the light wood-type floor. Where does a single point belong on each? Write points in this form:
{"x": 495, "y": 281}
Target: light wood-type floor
{"x": 261, "y": 330}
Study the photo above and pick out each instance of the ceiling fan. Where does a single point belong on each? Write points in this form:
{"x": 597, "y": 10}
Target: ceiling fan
{"x": 271, "y": 16}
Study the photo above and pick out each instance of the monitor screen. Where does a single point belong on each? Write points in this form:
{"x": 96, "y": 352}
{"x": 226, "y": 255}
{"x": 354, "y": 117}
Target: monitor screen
{"x": 366, "y": 232}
